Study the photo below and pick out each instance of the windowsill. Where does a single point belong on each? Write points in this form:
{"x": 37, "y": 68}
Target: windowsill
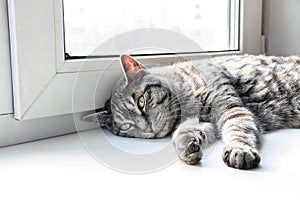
{"x": 60, "y": 168}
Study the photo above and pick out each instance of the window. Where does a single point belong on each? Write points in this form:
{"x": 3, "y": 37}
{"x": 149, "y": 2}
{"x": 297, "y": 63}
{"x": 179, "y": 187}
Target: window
{"x": 212, "y": 24}
{"x": 47, "y": 83}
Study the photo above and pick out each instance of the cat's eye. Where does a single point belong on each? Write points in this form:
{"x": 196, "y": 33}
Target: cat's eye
{"x": 141, "y": 102}
{"x": 125, "y": 127}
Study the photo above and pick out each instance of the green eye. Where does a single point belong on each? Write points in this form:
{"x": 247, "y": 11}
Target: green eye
{"x": 141, "y": 102}
{"x": 125, "y": 127}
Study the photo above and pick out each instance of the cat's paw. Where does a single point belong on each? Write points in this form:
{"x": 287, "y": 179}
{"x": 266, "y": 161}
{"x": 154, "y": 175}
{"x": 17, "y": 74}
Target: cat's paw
{"x": 191, "y": 137}
{"x": 189, "y": 148}
{"x": 241, "y": 158}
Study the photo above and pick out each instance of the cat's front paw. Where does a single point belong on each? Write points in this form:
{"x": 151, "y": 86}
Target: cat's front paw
{"x": 191, "y": 137}
{"x": 241, "y": 158}
{"x": 189, "y": 149}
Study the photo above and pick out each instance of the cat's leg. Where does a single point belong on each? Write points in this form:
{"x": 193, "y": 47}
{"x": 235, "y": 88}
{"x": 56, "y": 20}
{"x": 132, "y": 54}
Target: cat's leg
{"x": 191, "y": 137}
{"x": 240, "y": 132}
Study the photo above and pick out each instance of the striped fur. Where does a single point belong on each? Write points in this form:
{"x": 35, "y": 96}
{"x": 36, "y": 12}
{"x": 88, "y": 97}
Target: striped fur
{"x": 235, "y": 98}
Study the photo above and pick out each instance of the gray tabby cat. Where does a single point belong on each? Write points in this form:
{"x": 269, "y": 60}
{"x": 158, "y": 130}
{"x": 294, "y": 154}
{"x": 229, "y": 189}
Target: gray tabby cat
{"x": 236, "y": 98}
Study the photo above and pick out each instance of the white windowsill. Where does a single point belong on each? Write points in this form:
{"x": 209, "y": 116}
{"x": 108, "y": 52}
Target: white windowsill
{"x": 60, "y": 168}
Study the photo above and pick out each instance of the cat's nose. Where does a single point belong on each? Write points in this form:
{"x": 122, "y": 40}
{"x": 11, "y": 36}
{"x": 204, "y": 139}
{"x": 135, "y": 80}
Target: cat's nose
{"x": 148, "y": 129}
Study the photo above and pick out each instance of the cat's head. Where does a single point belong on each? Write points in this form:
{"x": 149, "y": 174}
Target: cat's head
{"x": 141, "y": 104}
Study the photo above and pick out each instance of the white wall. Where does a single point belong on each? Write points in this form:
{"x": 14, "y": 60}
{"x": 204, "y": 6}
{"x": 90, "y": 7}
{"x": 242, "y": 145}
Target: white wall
{"x": 282, "y": 26}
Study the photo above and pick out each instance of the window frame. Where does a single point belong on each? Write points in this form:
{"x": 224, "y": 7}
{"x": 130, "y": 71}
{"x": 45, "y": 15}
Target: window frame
{"x": 43, "y": 80}
{"x": 5, "y": 77}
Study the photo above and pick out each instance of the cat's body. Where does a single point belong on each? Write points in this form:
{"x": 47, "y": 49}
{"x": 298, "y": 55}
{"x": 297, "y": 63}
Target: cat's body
{"x": 235, "y": 98}
{"x": 268, "y": 87}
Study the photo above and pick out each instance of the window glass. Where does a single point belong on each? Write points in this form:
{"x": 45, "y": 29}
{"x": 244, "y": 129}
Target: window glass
{"x": 213, "y": 24}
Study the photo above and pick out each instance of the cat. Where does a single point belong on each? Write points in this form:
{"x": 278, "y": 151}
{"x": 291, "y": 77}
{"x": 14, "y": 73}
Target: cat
{"x": 234, "y": 98}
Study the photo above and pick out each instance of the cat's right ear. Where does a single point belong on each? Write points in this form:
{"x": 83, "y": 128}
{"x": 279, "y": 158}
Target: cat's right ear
{"x": 133, "y": 70}
{"x": 102, "y": 116}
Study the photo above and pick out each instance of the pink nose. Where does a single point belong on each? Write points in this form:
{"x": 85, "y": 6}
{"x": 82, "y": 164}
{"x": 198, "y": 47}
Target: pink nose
{"x": 148, "y": 129}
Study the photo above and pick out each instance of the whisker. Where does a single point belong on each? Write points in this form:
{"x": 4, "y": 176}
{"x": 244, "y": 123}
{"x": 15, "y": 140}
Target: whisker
{"x": 183, "y": 105}
{"x": 174, "y": 113}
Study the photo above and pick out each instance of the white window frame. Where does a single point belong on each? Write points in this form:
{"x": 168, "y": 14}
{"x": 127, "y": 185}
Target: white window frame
{"x": 43, "y": 80}
{"x": 5, "y": 78}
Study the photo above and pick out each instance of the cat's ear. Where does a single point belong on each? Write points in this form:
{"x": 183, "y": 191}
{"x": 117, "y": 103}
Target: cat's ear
{"x": 133, "y": 69}
{"x": 102, "y": 116}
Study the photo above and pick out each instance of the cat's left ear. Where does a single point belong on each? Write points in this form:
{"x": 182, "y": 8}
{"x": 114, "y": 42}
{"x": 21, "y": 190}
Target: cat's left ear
{"x": 133, "y": 69}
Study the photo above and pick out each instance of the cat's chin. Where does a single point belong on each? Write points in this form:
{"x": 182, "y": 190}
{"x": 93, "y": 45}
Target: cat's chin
{"x": 161, "y": 134}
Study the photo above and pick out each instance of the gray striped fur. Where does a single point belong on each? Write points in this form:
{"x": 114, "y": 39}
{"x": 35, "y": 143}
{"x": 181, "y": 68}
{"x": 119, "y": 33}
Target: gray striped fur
{"x": 236, "y": 98}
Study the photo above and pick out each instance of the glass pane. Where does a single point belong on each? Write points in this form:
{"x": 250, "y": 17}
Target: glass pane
{"x": 209, "y": 23}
